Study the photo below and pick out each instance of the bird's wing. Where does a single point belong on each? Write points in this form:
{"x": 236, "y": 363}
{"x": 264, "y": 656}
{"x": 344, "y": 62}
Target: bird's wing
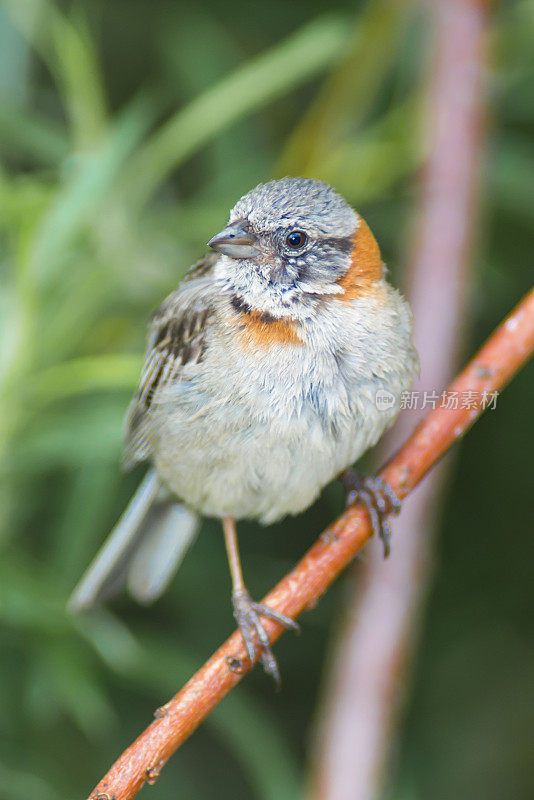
{"x": 178, "y": 336}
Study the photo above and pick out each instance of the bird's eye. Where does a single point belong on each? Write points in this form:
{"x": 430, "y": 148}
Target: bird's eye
{"x": 296, "y": 240}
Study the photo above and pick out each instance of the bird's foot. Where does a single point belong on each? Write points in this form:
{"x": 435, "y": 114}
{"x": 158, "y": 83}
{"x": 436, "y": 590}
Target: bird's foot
{"x": 378, "y": 498}
{"x": 247, "y": 614}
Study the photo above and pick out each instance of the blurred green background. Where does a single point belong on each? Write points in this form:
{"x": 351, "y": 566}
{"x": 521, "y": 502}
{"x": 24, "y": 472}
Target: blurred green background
{"x": 127, "y": 131}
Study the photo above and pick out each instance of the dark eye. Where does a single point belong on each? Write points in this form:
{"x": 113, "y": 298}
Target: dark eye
{"x": 296, "y": 239}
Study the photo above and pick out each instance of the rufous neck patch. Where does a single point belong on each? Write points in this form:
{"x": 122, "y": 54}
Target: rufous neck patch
{"x": 263, "y": 330}
{"x": 365, "y": 264}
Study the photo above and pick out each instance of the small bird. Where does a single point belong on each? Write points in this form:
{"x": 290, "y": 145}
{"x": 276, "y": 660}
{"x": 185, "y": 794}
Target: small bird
{"x": 276, "y": 363}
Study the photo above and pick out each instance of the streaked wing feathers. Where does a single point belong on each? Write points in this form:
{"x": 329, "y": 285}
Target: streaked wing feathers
{"x": 177, "y": 337}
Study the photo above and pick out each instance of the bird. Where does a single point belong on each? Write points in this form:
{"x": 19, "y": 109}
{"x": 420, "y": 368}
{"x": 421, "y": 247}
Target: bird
{"x": 278, "y": 361}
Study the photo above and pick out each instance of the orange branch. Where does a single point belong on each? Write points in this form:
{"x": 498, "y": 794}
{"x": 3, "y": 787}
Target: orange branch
{"x": 500, "y": 358}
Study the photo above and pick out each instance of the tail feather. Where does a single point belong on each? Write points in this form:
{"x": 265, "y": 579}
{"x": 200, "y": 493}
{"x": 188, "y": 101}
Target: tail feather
{"x": 142, "y": 552}
{"x": 161, "y": 551}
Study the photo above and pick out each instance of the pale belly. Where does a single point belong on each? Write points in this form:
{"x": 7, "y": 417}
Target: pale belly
{"x": 241, "y": 467}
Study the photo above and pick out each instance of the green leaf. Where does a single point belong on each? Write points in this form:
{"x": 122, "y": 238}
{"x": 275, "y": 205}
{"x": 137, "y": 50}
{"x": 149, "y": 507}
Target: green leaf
{"x": 83, "y": 375}
{"x": 68, "y": 52}
{"x": 365, "y": 167}
{"x": 257, "y": 82}
{"x": 350, "y": 90}
{"x": 80, "y": 78}
{"x": 88, "y": 179}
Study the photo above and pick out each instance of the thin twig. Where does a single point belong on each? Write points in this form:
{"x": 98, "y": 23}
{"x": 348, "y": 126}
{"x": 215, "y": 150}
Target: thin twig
{"x": 503, "y": 354}
{"x": 370, "y": 666}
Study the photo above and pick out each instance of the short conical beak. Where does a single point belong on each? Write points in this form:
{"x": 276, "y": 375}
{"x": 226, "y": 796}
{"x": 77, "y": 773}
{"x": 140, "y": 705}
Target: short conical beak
{"x": 235, "y": 241}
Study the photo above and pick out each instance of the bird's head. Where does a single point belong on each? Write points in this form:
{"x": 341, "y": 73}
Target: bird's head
{"x": 292, "y": 241}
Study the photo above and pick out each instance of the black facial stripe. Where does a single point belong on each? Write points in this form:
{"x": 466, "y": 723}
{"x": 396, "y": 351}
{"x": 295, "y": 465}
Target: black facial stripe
{"x": 302, "y": 271}
{"x": 244, "y": 308}
{"x": 264, "y": 316}
{"x": 239, "y": 304}
{"x": 343, "y": 243}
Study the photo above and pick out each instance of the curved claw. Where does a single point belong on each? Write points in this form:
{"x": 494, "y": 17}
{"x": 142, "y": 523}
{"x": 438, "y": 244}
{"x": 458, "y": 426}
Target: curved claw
{"x": 247, "y": 614}
{"x": 378, "y": 498}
